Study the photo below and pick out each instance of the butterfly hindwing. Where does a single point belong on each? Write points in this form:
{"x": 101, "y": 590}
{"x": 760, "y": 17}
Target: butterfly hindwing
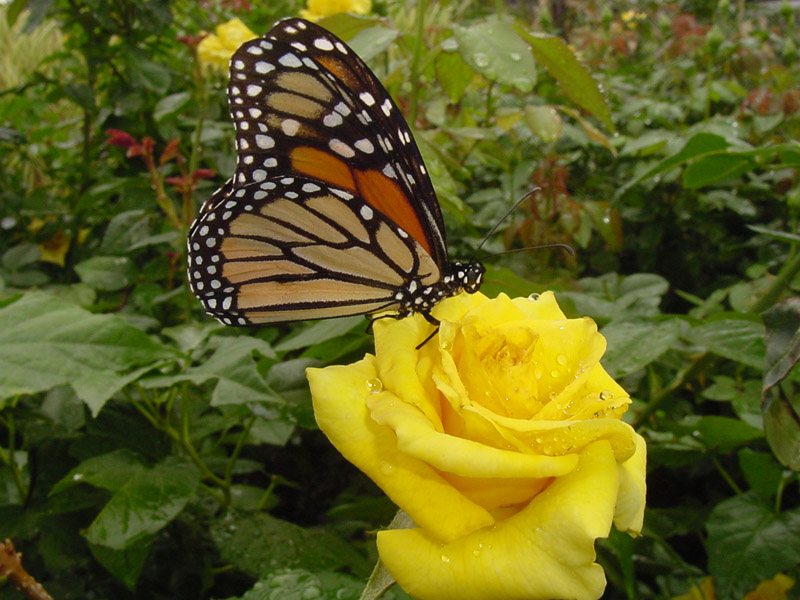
{"x": 292, "y": 248}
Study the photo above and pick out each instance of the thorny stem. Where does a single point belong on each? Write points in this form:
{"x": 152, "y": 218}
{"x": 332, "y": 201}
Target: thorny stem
{"x": 11, "y": 567}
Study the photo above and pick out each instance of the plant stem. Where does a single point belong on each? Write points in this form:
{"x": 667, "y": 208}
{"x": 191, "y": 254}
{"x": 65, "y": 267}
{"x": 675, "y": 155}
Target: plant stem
{"x": 698, "y": 365}
{"x": 781, "y": 281}
{"x": 415, "y": 87}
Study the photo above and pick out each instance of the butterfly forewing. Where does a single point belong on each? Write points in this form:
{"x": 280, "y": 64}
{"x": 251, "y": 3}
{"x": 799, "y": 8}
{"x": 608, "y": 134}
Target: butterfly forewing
{"x": 304, "y": 103}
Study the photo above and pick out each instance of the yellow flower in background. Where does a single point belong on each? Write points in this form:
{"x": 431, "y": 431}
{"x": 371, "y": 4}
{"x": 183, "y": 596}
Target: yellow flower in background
{"x": 771, "y": 589}
{"x": 215, "y": 51}
{"x": 318, "y": 9}
{"x": 501, "y": 439}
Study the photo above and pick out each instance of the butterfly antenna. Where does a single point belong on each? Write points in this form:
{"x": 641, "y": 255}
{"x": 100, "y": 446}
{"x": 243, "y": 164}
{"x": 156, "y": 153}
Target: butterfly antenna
{"x": 500, "y": 222}
{"x": 565, "y": 247}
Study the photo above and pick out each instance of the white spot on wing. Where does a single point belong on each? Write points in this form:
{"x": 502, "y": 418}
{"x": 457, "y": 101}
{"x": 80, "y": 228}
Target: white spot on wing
{"x": 290, "y": 60}
{"x": 367, "y": 98}
{"x": 290, "y": 126}
{"x": 341, "y": 148}
{"x": 365, "y": 146}
{"x": 323, "y": 44}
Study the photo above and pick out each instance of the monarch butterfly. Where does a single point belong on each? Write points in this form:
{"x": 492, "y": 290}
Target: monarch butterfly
{"x": 331, "y": 211}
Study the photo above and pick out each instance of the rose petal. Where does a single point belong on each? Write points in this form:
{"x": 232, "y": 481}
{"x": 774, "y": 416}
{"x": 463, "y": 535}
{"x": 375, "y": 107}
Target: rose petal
{"x": 632, "y": 490}
{"x": 340, "y": 396}
{"x": 545, "y": 552}
{"x": 418, "y": 438}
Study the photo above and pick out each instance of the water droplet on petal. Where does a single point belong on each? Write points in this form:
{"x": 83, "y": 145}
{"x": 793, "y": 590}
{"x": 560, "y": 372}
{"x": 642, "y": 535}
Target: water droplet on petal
{"x": 374, "y": 385}
{"x": 445, "y": 558}
{"x": 561, "y": 359}
{"x": 533, "y": 297}
{"x": 77, "y": 477}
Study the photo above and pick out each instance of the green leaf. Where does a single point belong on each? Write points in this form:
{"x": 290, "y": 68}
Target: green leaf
{"x": 634, "y": 345}
{"x": 319, "y": 332}
{"x": 544, "y": 122}
{"x": 125, "y": 564}
{"x": 782, "y": 324}
{"x": 494, "y": 50}
{"x": 749, "y": 543}
{"x": 722, "y": 433}
{"x": 761, "y": 470}
{"x": 453, "y": 74}
{"x": 576, "y": 82}
{"x": 170, "y": 105}
{"x": 124, "y": 230}
{"x": 700, "y": 144}
{"x": 715, "y": 167}
{"x": 736, "y": 339}
{"x": 234, "y": 367}
{"x": 108, "y": 471}
{"x": 259, "y": 543}
{"x": 299, "y": 584}
{"x": 45, "y": 343}
{"x": 109, "y": 273}
{"x": 145, "y": 504}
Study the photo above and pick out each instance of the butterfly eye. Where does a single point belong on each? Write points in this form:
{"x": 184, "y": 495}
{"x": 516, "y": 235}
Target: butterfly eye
{"x": 330, "y": 211}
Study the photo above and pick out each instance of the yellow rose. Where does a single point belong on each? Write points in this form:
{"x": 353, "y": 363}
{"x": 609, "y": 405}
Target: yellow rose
{"x": 215, "y": 51}
{"x": 501, "y": 438}
{"x": 318, "y": 9}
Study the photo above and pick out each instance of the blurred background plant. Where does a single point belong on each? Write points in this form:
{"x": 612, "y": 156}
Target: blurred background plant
{"x": 147, "y": 452}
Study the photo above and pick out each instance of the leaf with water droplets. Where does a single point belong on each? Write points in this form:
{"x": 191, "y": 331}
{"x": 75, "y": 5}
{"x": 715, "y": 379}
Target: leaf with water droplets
{"x": 577, "y": 83}
{"x": 494, "y": 50}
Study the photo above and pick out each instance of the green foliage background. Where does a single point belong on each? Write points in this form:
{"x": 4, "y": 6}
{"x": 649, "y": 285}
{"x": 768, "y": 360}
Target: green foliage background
{"x": 147, "y": 452}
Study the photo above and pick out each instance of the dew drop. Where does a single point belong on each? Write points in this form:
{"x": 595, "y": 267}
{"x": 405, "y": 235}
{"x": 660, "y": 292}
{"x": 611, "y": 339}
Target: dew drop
{"x": 374, "y": 385}
{"x": 533, "y": 297}
{"x": 561, "y": 359}
{"x": 387, "y": 468}
{"x": 481, "y": 60}
{"x": 515, "y": 56}
{"x": 606, "y": 395}
{"x": 445, "y": 558}
{"x": 554, "y": 373}
{"x": 446, "y": 345}
{"x": 477, "y": 551}
{"x": 77, "y": 477}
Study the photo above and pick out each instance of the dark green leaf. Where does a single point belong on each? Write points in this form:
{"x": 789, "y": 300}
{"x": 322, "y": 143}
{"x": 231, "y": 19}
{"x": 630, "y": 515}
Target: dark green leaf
{"x": 45, "y": 343}
{"x": 108, "y": 273}
{"x": 494, "y": 50}
{"x": 634, "y": 345}
{"x": 125, "y": 564}
{"x": 234, "y": 367}
{"x": 145, "y": 504}
{"x": 453, "y": 74}
{"x": 715, "y": 167}
{"x": 259, "y": 544}
{"x": 575, "y": 80}
{"x": 723, "y": 433}
{"x": 762, "y": 472}
{"x": 736, "y": 339}
{"x": 700, "y": 144}
{"x": 108, "y": 471}
{"x": 782, "y": 324}
{"x": 782, "y": 426}
{"x": 319, "y": 332}
{"x": 748, "y": 543}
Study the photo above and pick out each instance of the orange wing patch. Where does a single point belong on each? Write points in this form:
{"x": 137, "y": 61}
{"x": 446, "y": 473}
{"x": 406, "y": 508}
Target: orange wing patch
{"x": 385, "y": 195}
